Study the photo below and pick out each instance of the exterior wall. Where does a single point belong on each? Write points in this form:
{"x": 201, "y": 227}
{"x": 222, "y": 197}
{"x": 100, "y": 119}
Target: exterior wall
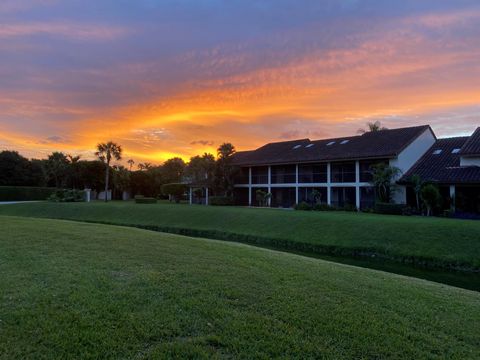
{"x": 413, "y": 152}
{"x": 470, "y": 161}
{"x": 270, "y": 187}
{"x": 408, "y": 157}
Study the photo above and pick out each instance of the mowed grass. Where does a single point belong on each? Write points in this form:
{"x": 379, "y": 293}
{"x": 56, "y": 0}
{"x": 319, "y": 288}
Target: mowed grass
{"x": 431, "y": 242}
{"x": 74, "y": 290}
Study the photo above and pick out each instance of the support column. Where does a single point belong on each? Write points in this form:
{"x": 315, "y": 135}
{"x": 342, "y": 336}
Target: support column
{"x": 190, "y": 195}
{"x": 329, "y": 187}
{"x": 206, "y": 196}
{"x": 296, "y": 184}
{"x": 357, "y": 184}
{"x": 269, "y": 185}
{"x": 452, "y": 196}
{"x": 250, "y": 186}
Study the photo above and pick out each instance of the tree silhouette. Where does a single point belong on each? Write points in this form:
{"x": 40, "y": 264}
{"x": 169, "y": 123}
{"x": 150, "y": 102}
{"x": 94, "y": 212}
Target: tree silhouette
{"x": 105, "y": 152}
{"x": 372, "y": 127}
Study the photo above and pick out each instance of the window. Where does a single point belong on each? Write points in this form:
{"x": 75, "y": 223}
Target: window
{"x": 343, "y": 196}
{"x": 309, "y": 145}
{"x": 331, "y": 143}
{"x": 343, "y": 172}
{"x": 260, "y": 175}
{"x": 366, "y": 168}
{"x": 296, "y": 147}
{"x": 455, "y": 151}
{"x": 343, "y": 142}
{"x": 284, "y": 174}
{"x": 437, "y": 152}
{"x": 242, "y": 176}
{"x": 315, "y": 173}
{"x": 312, "y": 195}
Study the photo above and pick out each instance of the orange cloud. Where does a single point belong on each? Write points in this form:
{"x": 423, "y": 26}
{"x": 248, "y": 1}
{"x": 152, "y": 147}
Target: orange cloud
{"x": 395, "y": 73}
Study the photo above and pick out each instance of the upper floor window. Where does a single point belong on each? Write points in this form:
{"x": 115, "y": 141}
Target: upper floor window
{"x": 260, "y": 175}
{"x": 437, "y": 152}
{"x": 312, "y": 173}
{"x": 343, "y": 172}
{"x": 455, "y": 151}
{"x": 366, "y": 169}
{"x": 284, "y": 174}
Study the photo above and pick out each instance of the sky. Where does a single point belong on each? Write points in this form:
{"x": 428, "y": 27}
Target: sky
{"x": 168, "y": 78}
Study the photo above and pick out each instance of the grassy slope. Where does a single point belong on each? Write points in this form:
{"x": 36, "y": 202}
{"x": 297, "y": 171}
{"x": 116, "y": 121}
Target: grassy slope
{"x": 439, "y": 241}
{"x": 73, "y": 290}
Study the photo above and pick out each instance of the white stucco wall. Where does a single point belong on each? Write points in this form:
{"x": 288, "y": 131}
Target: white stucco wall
{"x": 470, "y": 161}
{"x": 408, "y": 157}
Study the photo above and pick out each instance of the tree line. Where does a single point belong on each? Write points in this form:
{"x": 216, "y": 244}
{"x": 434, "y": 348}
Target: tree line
{"x": 66, "y": 171}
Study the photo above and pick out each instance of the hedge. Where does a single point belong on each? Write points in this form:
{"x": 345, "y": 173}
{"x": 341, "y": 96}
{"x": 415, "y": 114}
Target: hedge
{"x": 389, "y": 209}
{"x": 145, "y": 200}
{"x": 221, "y": 201}
{"x": 25, "y": 193}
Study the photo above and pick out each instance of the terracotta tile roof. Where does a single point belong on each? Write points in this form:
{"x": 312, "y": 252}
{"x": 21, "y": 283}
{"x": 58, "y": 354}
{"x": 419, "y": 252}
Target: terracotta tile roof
{"x": 379, "y": 144}
{"x": 441, "y": 164}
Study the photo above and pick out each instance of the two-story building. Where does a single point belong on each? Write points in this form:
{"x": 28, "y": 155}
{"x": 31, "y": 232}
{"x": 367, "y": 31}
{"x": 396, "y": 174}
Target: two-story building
{"x": 340, "y": 168}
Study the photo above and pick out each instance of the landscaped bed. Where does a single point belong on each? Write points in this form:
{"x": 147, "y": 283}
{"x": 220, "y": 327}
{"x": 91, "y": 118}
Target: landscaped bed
{"x": 430, "y": 242}
{"x": 77, "y": 290}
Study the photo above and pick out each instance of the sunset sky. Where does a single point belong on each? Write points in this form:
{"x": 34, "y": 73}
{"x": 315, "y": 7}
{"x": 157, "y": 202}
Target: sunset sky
{"x": 170, "y": 78}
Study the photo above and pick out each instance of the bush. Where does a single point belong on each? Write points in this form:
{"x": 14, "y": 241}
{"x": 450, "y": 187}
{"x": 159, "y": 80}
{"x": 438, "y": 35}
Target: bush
{"x": 138, "y": 197}
{"x": 389, "y": 209}
{"x": 176, "y": 191}
{"x": 303, "y": 206}
{"x": 68, "y": 195}
{"x": 221, "y": 201}
{"x": 145, "y": 200}
{"x": 431, "y": 197}
{"x": 25, "y": 193}
{"x": 324, "y": 207}
{"x": 349, "y": 207}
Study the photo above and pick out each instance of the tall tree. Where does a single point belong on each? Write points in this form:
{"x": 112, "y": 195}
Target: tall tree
{"x": 74, "y": 169}
{"x": 130, "y": 162}
{"x": 172, "y": 170}
{"x": 13, "y": 168}
{"x": 372, "y": 127}
{"x": 105, "y": 152}
{"x": 225, "y": 172}
{"x": 201, "y": 169}
{"x": 57, "y": 168}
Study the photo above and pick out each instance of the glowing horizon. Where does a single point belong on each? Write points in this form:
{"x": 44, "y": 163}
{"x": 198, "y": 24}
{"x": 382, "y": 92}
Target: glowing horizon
{"x": 170, "y": 79}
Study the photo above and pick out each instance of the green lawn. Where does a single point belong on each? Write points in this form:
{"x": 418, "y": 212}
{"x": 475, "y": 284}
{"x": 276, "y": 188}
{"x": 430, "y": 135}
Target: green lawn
{"x": 432, "y": 242}
{"x": 77, "y": 290}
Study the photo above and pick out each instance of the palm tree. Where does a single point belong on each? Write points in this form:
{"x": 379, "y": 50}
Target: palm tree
{"x": 74, "y": 168}
{"x": 225, "y": 172}
{"x": 225, "y": 151}
{"x": 383, "y": 179}
{"x": 145, "y": 166}
{"x": 105, "y": 152}
{"x": 131, "y": 162}
{"x": 372, "y": 127}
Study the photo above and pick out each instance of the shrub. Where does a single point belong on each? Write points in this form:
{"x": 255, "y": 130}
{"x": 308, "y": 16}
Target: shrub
{"x": 68, "y": 195}
{"x": 303, "y": 206}
{"x": 431, "y": 197}
{"x": 25, "y": 193}
{"x": 175, "y": 190}
{"x": 145, "y": 200}
{"x": 389, "y": 208}
{"x": 349, "y": 207}
{"x": 138, "y": 197}
{"x": 324, "y": 207}
{"x": 221, "y": 201}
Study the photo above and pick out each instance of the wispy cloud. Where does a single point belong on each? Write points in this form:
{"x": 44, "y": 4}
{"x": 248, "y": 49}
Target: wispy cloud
{"x": 75, "y": 31}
